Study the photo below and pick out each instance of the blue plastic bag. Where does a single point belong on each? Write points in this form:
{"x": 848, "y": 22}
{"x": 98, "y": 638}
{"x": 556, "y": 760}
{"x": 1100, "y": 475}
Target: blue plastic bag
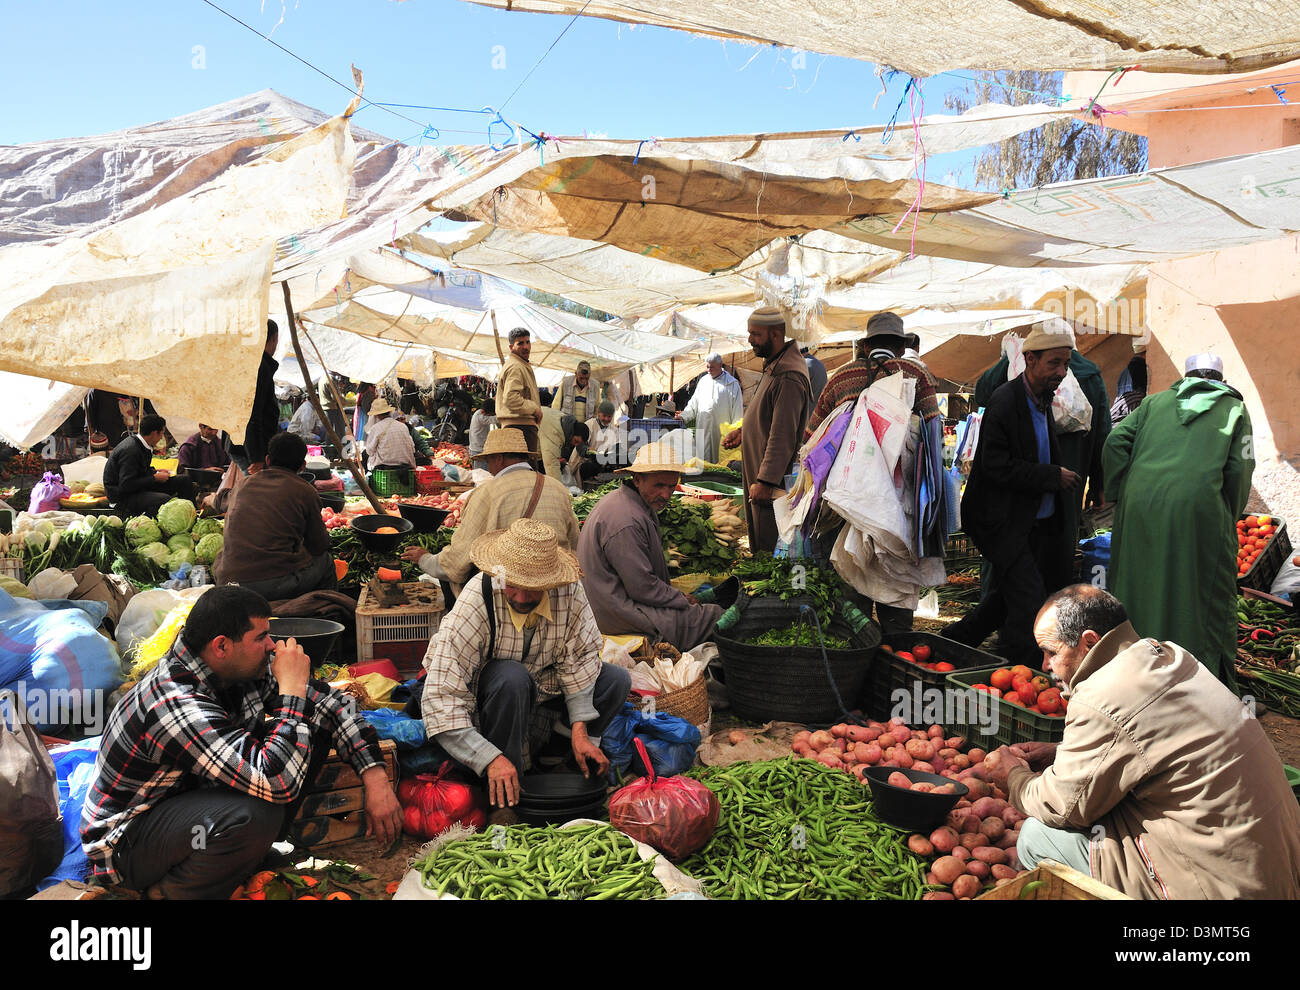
{"x": 670, "y": 741}
{"x": 74, "y": 765}
{"x": 1096, "y": 560}
{"x": 406, "y": 732}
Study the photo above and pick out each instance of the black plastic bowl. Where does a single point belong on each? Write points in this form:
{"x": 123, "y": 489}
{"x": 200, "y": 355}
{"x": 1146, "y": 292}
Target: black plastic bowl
{"x": 916, "y": 811}
{"x": 316, "y": 636}
{"x": 334, "y": 500}
{"x": 427, "y": 519}
{"x": 365, "y": 526}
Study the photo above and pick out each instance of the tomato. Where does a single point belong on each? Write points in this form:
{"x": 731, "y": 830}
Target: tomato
{"x": 1049, "y": 701}
{"x": 944, "y": 666}
{"x": 1020, "y": 670}
{"x": 921, "y": 652}
{"x": 1001, "y": 678}
{"x": 996, "y": 692}
{"x": 1013, "y": 698}
{"x": 1028, "y": 693}
{"x": 904, "y": 655}
{"x": 981, "y": 687}
{"x": 1040, "y": 683}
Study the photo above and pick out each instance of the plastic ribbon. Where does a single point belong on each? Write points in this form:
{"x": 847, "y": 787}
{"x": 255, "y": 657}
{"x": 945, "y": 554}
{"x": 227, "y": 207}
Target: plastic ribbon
{"x": 498, "y": 119}
{"x": 1280, "y": 93}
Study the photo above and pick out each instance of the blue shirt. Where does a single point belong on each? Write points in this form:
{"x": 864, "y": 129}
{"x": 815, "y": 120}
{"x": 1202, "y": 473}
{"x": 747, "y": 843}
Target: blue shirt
{"x": 1048, "y": 504}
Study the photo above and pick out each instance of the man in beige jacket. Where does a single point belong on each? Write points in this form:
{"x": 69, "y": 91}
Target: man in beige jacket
{"x": 519, "y": 403}
{"x": 1163, "y": 786}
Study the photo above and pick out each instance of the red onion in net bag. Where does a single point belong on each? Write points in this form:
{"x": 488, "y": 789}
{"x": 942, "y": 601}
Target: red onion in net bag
{"x": 675, "y": 815}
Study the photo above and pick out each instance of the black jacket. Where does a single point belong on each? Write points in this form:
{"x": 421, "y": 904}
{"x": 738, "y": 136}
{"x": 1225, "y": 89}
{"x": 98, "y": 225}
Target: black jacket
{"x": 128, "y": 469}
{"x": 264, "y": 421}
{"x": 1006, "y": 481}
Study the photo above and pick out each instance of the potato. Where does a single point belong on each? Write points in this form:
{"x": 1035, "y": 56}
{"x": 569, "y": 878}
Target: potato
{"x": 1008, "y": 840}
{"x": 1000, "y": 794}
{"x": 873, "y": 732}
{"x": 1012, "y": 815}
{"x": 1002, "y": 872}
{"x": 963, "y": 804}
{"x": 976, "y": 755}
{"x": 946, "y": 789}
{"x": 960, "y": 762}
{"x": 871, "y": 753}
{"x": 985, "y": 806}
{"x": 802, "y": 748}
{"x": 830, "y": 759}
{"x": 839, "y": 731}
{"x": 803, "y": 735}
{"x": 961, "y": 852}
{"x": 989, "y": 854}
{"x": 965, "y": 886}
{"x": 901, "y": 758}
{"x": 857, "y": 734}
{"x": 977, "y": 869}
{"x": 970, "y": 824}
{"x": 946, "y": 869}
{"x": 937, "y": 895}
{"x": 899, "y": 780}
{"x": 919, "y": 734}
{"x": 860, "y": 772}
{"x": 978, "y": 788}
{"x": 943, "y": 839}
{"x": 954, "y": 742}
{"x": 947, "y": 752}
{"x": 973, "y": 840}
{"x": 994, "y": 828}
{"x": 922, "y": 766}
{"x": 901, "y": 734}
{"x": 930, "y": 881}
{"x": 935, "y": 732}
{"x": 919, "y": 844}
{"x": 735, "y": 737}
{"x": 938, "y": 764}
{"x": 1013, "y": 860}
{"x": 923, "y": 786}
{"x": 820, "y": 740}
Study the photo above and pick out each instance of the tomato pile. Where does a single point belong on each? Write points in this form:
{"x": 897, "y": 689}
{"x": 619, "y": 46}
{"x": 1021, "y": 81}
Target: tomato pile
{"x": 1021, "y": 686}
{"x": 1253, "y": 535}
{"x": 922, "y": 656}
{"x": 452, "y": 453}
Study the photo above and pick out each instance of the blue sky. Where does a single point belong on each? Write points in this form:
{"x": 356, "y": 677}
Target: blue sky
{"x": 87, "y": 67}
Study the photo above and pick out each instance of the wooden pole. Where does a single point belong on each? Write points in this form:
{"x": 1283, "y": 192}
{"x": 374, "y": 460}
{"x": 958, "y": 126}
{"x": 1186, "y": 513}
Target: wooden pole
{"x": 496, "y": 336}
{"x": 314, "y": 399}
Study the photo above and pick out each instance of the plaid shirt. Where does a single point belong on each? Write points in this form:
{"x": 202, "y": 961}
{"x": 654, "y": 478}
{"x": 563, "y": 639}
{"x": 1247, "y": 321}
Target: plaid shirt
{"x": 177, "y": 730}
{"x": 563, "y": 658}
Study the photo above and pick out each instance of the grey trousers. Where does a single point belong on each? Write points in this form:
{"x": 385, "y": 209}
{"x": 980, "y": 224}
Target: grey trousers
{"x": 1065, "y": 845}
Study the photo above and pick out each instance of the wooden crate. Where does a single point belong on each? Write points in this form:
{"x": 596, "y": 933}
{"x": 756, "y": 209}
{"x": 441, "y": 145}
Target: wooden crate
{"x": 1060, "y": 883}
{"x": 333, "y": 810}
{"x": 12, "y": 567}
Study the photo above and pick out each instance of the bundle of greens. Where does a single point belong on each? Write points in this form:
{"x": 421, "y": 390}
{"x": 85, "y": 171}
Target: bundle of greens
{"x": 781, "y": 577}
{"x": 690, "y": 541}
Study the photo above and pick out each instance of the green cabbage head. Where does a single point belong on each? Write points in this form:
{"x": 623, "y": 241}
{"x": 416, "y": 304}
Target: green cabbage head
{"x": 141, "y": 530}
{"x": 177, "y": 516}
{"x": 155, "y": 552}
{"x": 207, "y": 549}
{"x": 205, "y": 526}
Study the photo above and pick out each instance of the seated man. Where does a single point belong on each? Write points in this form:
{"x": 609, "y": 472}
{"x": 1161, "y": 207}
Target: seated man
{"x": 515, "y": 492}
{"x": 519, "y": 637}
{"x": 205, "y": 760}
{"x": 205, "y": 449}
{"x": 623, "y": 563}
{"x": 306, "y": 424}
{"x": 1163, "y": 786}
{"x": 132, "y": 485}
{"x": 275, "y": 542}
{"x": 607, "y": 439}
{"x": 388, "y": 441}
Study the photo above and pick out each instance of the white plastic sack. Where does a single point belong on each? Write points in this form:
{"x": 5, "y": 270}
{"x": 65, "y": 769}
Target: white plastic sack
{"x": 674, "y": 881}
{"x": 52, "y": 583}
{"x": 1070, "y": 407}
{"x": 88, "y": 469}
{"x": 1287, "y": 581}
{"x": 145, "y": 612}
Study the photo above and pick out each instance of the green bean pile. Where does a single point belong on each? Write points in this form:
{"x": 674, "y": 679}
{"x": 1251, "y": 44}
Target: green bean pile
{"x": 793, "y": 829}
{"x": 585, "y": 862}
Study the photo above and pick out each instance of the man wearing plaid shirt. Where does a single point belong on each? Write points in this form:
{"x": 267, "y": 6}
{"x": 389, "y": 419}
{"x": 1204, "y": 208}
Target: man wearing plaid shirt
{"x": 205, "y": 761}
{"x": 520, "y": 637}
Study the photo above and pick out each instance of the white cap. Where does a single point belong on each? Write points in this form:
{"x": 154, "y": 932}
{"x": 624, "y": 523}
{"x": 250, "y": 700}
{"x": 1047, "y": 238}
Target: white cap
{"x": 1049, "y": 334}
{"x": 1203, "y": 362}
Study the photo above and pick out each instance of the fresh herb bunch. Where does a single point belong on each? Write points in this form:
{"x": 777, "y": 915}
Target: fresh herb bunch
{"x": 800, "y": 634}
{"x": 780, "y": 577}
{"x": 688, "y": 529}
{"x": 583, "y": 504}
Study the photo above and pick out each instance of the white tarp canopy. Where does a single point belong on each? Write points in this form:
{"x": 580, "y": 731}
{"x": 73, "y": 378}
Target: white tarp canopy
{"x": 925, "y": 37}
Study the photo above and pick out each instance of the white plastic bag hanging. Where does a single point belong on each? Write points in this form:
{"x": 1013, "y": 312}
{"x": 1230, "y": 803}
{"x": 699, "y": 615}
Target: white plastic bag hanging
{"x": 1070, "y": 407}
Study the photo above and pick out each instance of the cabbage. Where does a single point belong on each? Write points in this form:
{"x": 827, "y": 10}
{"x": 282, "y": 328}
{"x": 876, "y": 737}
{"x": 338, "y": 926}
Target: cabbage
{"x": 114, "y": 521}
{"x": 176, "y": 516}
{"x": 208, "y": 548}
{"x": 181, "y": 541}
{"x": 205, "y": 526}
{"x": 155, "y": 553}
{"x": 141, "y": 530}
{"x": 178, "y": 557}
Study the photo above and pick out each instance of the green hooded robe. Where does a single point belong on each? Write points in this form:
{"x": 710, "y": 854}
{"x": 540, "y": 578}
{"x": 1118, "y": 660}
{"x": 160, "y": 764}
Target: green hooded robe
{"x": 1179, "y": 468}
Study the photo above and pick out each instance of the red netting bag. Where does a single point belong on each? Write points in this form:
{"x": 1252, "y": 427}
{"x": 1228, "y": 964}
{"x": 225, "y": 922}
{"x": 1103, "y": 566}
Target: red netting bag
{"x": 675, "y": 815}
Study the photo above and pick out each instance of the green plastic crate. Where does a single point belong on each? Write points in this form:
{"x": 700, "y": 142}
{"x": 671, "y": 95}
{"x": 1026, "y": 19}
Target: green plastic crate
{"x": 891, "y": 673}
{"x": 1293, "y": 778}
{"x": 1013, "y": 724}
{"x": 387, "y": 482}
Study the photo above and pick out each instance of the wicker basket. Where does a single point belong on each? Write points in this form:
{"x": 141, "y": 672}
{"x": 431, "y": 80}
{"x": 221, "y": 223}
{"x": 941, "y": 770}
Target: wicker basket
{"x": 690, "y": 702}
{"x": 12, "y": 567}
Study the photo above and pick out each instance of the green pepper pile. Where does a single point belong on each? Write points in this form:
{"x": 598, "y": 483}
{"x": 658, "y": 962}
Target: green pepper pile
{"x": 362, "y": 564}
{"x": 794, "y": 829}
{"x": 525, "y": 863}
{"x": 1268, "y": 653}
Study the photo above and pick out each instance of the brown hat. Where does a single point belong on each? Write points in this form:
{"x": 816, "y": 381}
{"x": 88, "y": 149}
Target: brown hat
{"x": 527, "y": 555}
{"x": 1048, "y": 335}
{"x": 379, "y": 407}
{"x": 506, "y": 440}
{"x": 884, "y": 324}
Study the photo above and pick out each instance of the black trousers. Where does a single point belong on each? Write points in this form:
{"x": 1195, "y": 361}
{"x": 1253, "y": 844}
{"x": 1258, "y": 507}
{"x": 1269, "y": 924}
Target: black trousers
{"x": 1021, "y": 576}
{"x": 202, "y": 844}
{"x": 507, "y": 696}
{"x": 148, "y": 502}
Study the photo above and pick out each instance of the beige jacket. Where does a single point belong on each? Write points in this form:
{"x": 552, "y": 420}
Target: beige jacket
{"x": 518, "y": 400}
{"x": 1187, "y": 790}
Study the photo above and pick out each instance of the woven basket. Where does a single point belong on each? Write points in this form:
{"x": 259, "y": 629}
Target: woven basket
{"x": 690, "y": 702}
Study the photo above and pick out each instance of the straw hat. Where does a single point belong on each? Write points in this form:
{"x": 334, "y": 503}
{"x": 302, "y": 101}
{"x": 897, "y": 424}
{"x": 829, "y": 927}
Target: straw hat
{"x": 506, "y": 440}
{"x": 527, "y": 555}
{"x": 655, "y": 457}
{"x": 379, "y": 407}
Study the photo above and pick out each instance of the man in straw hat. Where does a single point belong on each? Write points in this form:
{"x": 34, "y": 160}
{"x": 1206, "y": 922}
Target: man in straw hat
{"x": 520, "y": 636}
{"x": 774, "y": 424}
{"x": 622, "y": 555}
{"x": 1179, "y": 467}
{"x": 1013, "y": 507}
{"x": 388, "y": 441}
{"x": 515, "y": 492}
{"x": 519, "y": 403}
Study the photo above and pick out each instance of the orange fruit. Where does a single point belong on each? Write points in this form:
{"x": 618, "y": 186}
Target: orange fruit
{"x": 386, "y": 531}
{"x": 307, "y": 897}
{"x": 1252, "y": 521}
{"x": 257, "y": 883}
{"x": 392, "y": 887}
{"x": 240, "y": 894}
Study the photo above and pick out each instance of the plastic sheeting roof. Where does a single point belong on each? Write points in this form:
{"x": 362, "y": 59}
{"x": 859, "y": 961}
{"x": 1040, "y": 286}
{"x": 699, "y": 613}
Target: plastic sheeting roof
{"x": 924, "y": 37}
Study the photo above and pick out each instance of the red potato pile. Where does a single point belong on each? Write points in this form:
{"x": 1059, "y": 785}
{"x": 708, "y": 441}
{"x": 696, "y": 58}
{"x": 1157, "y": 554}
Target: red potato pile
{"x": 853, "y": 748}
{"x": 974, "y": 849}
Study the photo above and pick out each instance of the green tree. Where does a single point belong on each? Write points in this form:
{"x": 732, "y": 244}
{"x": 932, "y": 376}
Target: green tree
{"x": 566, "y": 305}
{"x": 1061, "y": 151}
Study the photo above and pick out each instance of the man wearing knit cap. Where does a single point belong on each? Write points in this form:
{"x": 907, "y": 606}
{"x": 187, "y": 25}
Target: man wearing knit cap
{"x": 1012, "y": 507}
{"x": 774, "y": 424}
{"x": 716, "y": 400}
{"x": 1179, "y": 467}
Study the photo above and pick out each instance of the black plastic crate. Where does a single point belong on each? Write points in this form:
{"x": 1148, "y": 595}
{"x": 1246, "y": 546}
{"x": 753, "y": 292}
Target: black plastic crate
{"x": 891, "y": 673}
{"x": 1013, "y": 724}
{"x": 1264, "y": 571}
{"x": 960, "y": 553}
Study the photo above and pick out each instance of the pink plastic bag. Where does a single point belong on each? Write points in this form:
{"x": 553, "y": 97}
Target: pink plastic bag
{"x": 47, "y": 492}
{"x": 675, "y": 815}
